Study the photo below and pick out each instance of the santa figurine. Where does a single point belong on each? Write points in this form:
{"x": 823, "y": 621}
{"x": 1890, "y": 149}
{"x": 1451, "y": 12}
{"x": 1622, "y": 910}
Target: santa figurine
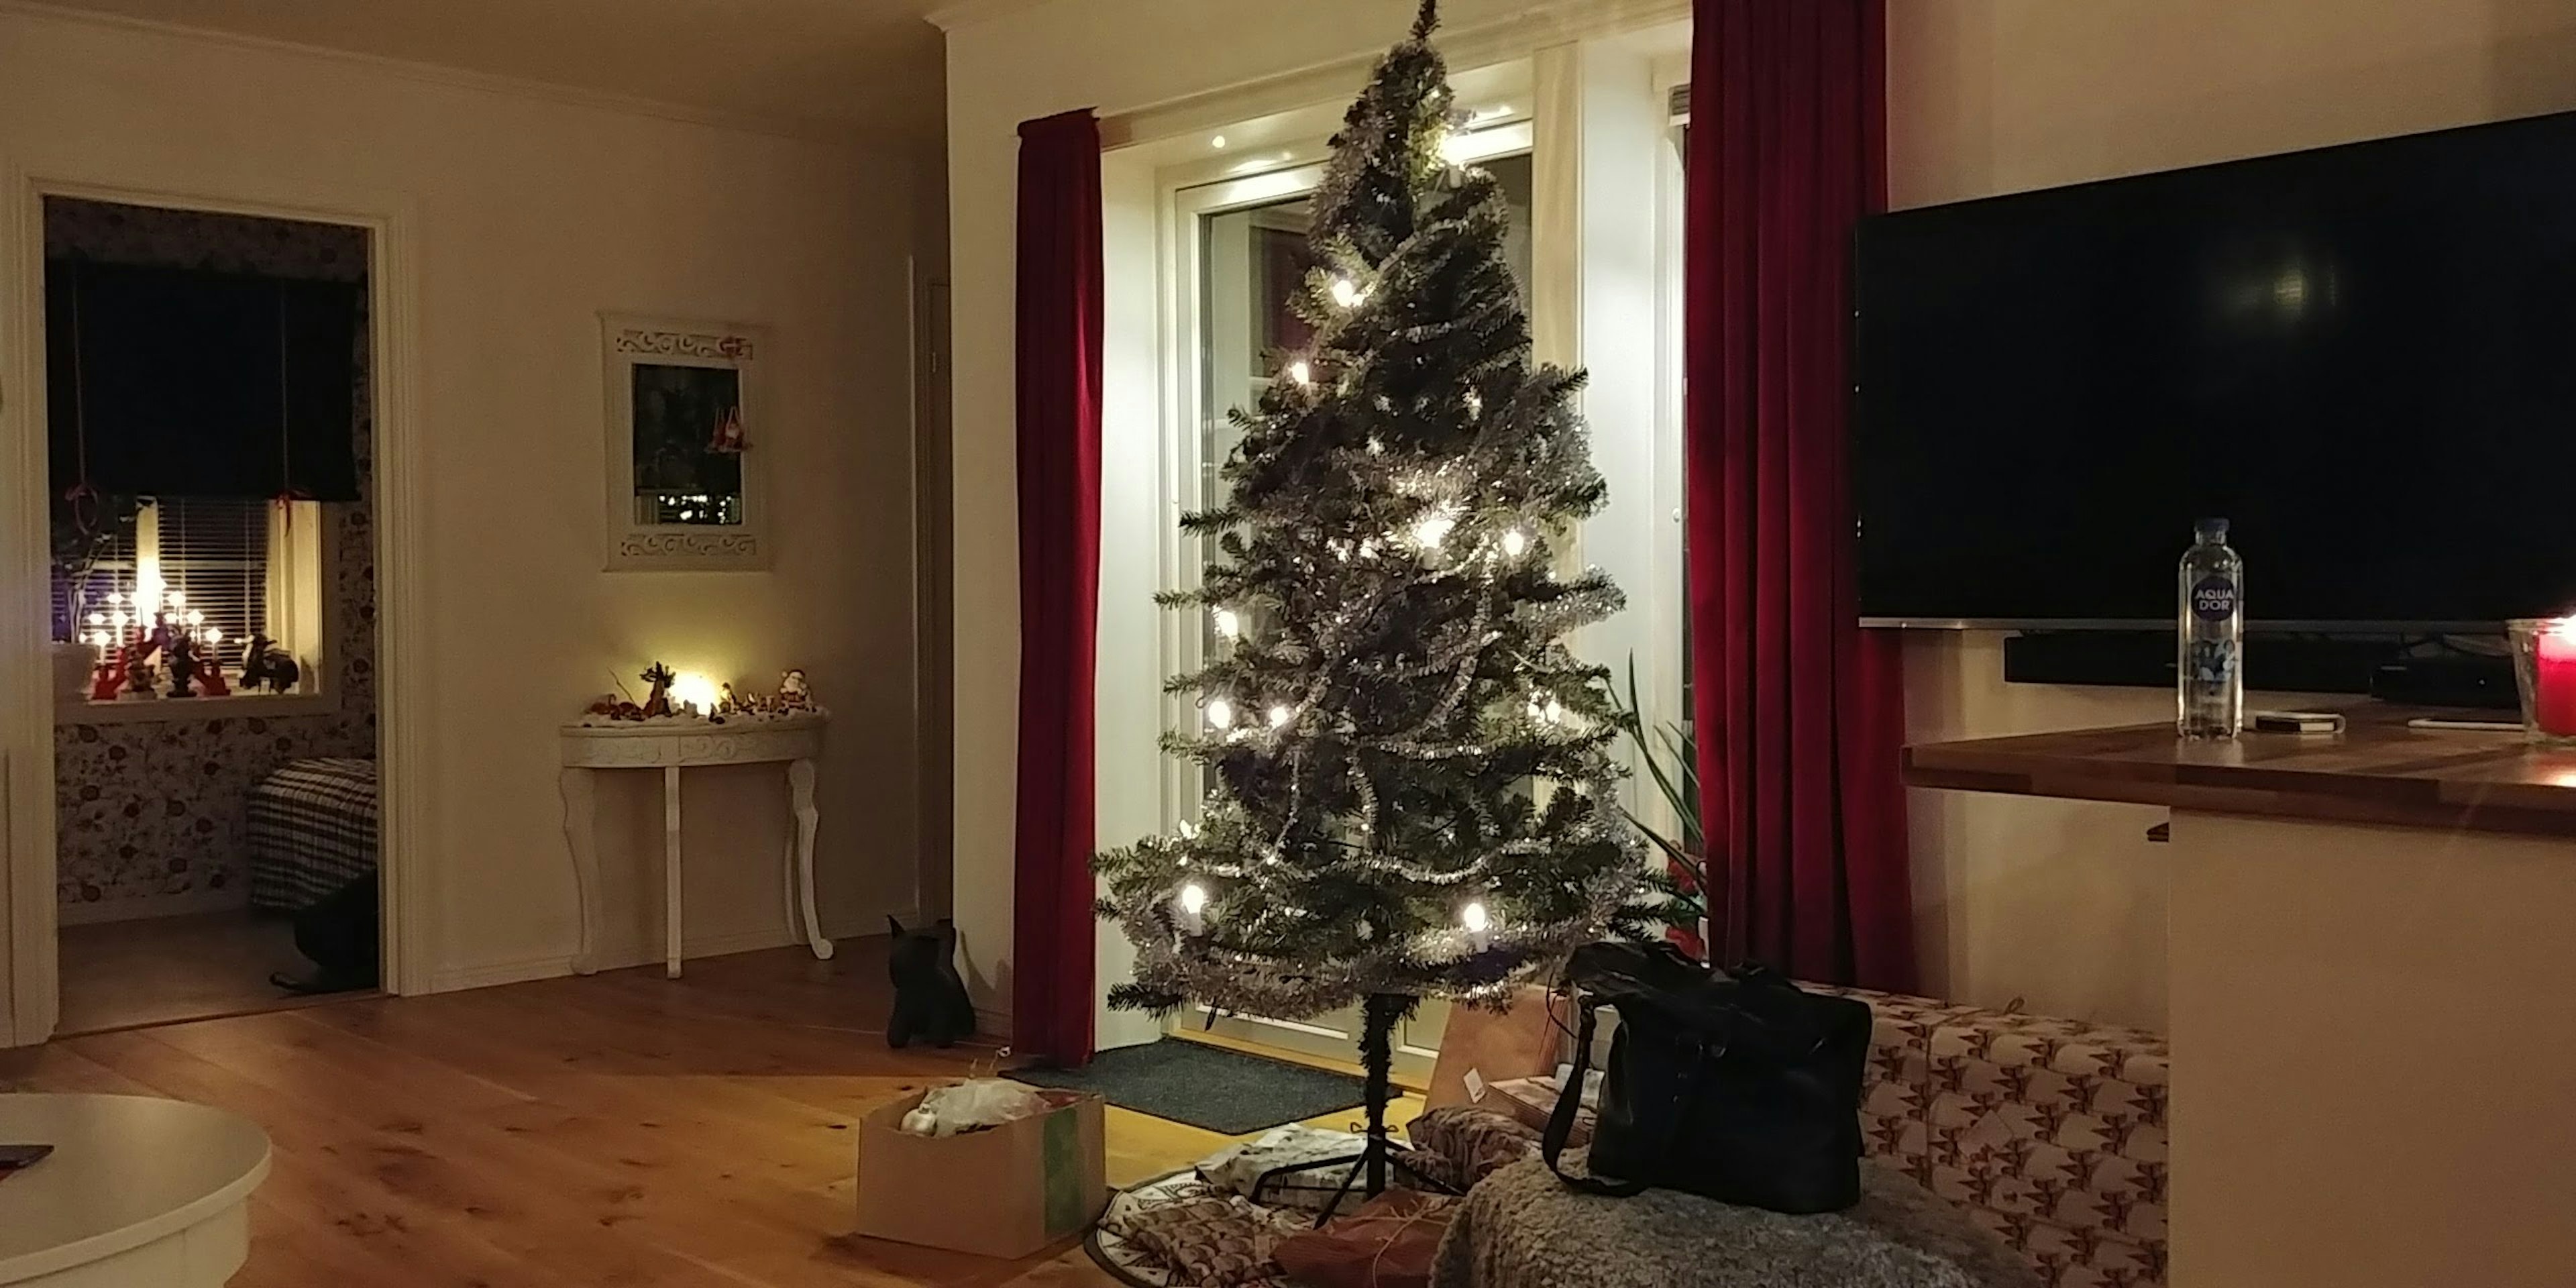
{"x": 793, "y": 695}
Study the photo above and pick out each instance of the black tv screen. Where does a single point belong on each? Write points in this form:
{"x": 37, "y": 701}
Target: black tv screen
{"x": 2363, "y": 357}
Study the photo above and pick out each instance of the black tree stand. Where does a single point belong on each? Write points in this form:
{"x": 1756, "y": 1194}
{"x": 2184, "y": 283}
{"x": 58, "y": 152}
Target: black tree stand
{"x": 1379, "y": 1015}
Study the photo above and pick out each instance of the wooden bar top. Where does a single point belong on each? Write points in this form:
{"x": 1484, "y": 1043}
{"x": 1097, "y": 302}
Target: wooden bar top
{"x": 2377, "y": 771}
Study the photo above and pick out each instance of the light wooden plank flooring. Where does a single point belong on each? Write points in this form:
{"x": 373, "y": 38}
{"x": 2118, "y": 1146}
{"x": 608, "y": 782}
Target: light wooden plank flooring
{"x": 119, "y": 974}
{"x": 620, "y": 1130}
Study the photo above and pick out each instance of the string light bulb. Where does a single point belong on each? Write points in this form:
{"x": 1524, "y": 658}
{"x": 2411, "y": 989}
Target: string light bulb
{"x": 1220, "y": 714}
{"x": 1190, "y": 905}
{"x": 1474, "y": 918}
{"x": 1302, "y": 373}
{"x": 1280, "y": 716}
{"x": 1515, "y": 544}
{"x": 1229, "y": 623}
{"x": 1347, "y": 293}
{"x": 1434, "y": 527}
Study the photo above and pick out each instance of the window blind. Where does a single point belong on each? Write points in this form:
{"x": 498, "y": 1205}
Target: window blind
{"x": 215, "y": 551}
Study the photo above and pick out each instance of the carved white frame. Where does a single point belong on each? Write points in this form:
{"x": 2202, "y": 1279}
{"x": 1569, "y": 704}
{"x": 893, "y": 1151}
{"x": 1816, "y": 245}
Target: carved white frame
{"x": 625, "y": 342}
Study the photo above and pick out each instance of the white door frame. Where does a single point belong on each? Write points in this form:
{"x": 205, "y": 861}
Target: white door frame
{"x": 29, "y": 998}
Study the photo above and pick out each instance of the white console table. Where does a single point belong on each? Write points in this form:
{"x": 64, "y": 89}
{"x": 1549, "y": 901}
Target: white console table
{"x": 588, "y": 749}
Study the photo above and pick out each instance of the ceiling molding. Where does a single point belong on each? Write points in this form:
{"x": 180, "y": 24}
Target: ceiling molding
{"x": 969, "y": 13}
{"x": 806, "y": 129}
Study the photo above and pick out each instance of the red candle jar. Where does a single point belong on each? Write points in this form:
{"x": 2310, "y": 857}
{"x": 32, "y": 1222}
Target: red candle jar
{"x": 2545, "y": 663}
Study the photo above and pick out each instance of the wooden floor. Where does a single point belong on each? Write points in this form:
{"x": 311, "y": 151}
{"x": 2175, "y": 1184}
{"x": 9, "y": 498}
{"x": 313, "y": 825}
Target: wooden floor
{"x": 119, "y": 974}
{"x": 617, "y": 1131}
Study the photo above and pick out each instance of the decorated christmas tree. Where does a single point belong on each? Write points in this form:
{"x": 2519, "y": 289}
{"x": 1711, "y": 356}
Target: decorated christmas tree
{"x": 1413, "y": 794}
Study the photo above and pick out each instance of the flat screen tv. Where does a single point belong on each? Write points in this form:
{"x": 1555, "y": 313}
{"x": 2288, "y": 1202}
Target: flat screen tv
{"x": 2364, "y": 357}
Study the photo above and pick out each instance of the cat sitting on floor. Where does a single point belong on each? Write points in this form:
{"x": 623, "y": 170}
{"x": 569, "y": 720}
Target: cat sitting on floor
{"x": 929, "y": 998}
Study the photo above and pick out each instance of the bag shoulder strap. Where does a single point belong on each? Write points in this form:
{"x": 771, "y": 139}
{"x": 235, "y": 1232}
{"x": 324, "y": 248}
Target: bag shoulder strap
{"x": 1560, "y": 1123}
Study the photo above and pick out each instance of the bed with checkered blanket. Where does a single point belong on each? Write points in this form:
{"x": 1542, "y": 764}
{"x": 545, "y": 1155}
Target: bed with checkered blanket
{"x": 312, "y": 830}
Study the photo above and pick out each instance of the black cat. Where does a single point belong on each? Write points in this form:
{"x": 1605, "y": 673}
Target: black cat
{"x": 929, "y": 998}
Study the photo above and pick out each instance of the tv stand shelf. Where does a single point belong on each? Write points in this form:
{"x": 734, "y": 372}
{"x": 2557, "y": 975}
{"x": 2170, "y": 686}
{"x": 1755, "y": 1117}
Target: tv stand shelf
{"x": 2377, "y": 771}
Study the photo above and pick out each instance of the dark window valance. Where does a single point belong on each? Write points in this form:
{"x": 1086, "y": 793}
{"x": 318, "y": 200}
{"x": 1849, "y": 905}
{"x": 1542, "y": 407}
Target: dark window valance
{"x": 179, "y": 382}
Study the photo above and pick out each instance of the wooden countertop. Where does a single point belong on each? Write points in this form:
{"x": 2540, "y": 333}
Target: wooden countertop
{"x": 2376, "y": 771}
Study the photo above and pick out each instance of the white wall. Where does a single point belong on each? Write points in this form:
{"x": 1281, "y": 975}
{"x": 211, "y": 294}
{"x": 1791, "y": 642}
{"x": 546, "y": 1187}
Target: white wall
{"x": 2062, "y": 903}
{"x": 533, "y": 212}
{"x": 2059, "y": 905}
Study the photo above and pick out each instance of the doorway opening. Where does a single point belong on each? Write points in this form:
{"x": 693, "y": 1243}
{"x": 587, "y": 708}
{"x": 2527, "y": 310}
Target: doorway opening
{"x": 210, "y": 393}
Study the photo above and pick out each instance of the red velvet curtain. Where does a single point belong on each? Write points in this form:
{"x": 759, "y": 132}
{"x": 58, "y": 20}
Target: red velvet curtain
{"x": 1800, "y": 713}
{"x": 1059, "y": 335}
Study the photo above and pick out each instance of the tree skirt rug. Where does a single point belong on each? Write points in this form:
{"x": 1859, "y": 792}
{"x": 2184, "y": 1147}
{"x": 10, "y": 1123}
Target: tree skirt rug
{"x": 1177, "y": 1231}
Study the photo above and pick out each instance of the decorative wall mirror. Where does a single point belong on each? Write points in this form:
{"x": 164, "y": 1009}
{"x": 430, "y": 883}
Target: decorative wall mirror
{"x": 686, "y": 444}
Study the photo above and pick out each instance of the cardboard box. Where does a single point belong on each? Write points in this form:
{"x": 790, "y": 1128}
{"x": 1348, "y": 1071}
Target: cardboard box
{"x": 1005, "y": 1191}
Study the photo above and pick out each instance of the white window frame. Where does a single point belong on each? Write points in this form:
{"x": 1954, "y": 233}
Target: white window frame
{"x": 300, "y": 603}
{"x": 1187, "y": 417}
{"x": 1188, "y": 196}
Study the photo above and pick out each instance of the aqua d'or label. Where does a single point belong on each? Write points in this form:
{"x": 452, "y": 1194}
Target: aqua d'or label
{"x": 2213, "y": 599}
{"x": 2209, "y": 664}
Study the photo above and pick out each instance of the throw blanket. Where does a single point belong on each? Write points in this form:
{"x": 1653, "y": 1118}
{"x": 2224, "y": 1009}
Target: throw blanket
{"x": 1523, "y": 1228}
{"x": 312, "y": 831}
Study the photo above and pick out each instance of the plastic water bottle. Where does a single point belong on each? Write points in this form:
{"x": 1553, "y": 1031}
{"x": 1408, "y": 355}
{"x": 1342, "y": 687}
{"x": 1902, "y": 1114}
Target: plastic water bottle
{"x": 2210, "y": 678}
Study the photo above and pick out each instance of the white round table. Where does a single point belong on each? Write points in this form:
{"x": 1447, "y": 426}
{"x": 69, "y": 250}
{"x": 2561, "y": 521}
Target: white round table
{"x": 138, "y": 1193}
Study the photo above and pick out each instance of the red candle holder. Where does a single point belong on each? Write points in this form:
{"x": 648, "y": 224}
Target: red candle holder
{"x": 2544, "y": 667}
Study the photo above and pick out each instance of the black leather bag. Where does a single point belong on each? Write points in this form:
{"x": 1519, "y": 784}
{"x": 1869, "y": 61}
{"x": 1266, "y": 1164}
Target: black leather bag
{"x": 1736, "y": 1085}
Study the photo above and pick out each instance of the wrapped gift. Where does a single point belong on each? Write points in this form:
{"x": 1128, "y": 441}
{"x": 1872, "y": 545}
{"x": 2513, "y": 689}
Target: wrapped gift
{"x": 1472, "y": 1142}
{"x": 1390, "y": 1242}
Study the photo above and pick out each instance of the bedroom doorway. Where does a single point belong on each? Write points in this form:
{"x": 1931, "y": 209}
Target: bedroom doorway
{"x": 210, "y": 390}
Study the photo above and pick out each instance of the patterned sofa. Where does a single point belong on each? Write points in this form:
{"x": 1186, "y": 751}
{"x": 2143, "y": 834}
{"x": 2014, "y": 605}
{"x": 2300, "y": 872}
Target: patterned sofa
{"x": 2049, "y": 1132}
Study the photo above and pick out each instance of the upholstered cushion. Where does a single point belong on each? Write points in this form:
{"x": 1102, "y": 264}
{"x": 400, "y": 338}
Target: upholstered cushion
{"x": 2050, "y": 1132}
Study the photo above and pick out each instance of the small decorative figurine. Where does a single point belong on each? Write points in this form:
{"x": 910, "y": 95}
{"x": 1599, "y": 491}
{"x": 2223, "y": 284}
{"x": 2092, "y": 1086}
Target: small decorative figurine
{"x": 111, "y": 676}
{"x": 793, "y": 695}
{"x": 728, "y": 436}
{"x": 658, "y": 703}
{"x": 726, "y": 703}
{"x": 929, "y": 998}
{"x": 210, "y": 673}
{"x": 265, "y": 664}
{"x": 182, "y": 653}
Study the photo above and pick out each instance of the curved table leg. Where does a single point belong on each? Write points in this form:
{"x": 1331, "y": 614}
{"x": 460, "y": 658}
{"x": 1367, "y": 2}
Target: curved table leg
{"x": 577, "y": 787}
{"x": 800, "y": 781}
{"x": 671, "y": 871}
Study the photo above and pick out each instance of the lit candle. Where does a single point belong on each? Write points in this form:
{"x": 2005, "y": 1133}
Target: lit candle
{"x": 2554, "y": 679}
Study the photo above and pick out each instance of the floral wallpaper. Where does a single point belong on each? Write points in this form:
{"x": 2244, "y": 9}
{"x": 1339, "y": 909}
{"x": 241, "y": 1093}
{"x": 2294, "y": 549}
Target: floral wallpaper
{"x": 154, "y": 810}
